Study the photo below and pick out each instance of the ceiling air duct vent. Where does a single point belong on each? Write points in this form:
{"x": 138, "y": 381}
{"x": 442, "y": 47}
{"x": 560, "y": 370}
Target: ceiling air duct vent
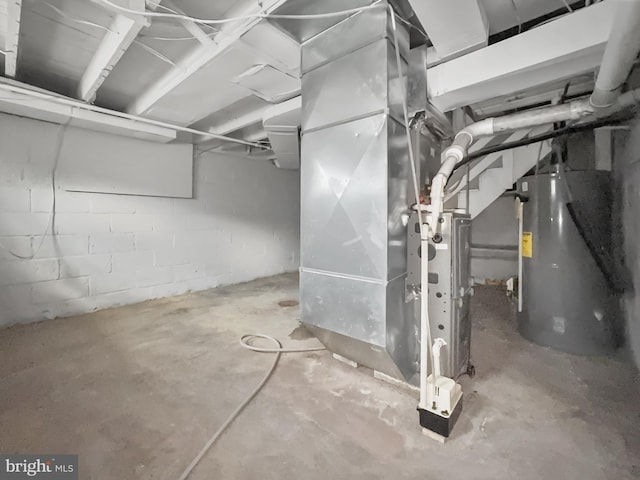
{"x": 282, "y": 125}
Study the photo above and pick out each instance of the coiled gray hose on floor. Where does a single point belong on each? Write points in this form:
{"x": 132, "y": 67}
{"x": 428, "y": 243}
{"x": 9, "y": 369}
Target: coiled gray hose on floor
{"x": 244, "y": 341}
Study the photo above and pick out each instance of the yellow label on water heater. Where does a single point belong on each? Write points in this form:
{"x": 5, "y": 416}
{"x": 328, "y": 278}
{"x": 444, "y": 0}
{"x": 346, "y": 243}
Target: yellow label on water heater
{"x": 527, "y": 244}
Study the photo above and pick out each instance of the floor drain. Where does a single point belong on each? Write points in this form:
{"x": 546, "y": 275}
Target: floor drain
{"x": 288, "y": 303}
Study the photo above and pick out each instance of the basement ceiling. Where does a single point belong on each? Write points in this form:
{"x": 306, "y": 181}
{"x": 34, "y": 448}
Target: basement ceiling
{"x": 505, "y": 14}
{"x": 213, "y": 78}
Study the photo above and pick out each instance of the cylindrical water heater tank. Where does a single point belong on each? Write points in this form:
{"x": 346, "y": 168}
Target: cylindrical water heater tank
{"x": 567, "y": 302}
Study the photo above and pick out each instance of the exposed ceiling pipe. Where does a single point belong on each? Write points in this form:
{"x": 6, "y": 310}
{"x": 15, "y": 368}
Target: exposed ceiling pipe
{"x": 620, "y": 54}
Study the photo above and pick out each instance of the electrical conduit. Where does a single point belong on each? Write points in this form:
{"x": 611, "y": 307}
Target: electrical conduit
{"x": 425, "y": 327}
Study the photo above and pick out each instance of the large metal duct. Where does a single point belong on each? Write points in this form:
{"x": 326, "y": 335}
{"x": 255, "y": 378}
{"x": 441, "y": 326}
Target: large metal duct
{"x": 355, "y": 188}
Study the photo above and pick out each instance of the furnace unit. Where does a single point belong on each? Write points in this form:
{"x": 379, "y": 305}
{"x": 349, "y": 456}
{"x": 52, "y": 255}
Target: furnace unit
{"x": 450, "y": 288}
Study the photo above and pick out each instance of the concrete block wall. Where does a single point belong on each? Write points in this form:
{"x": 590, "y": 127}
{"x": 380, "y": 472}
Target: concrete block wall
{"x": 494, "y": 237}
{"x": 627, "y": 173}
{"x": 106, "y": 250}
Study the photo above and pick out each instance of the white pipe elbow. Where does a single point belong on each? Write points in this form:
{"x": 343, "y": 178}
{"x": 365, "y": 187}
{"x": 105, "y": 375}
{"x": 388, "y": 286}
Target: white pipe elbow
{"x": 479, "y": 129}
{"x": 437, "y": 345}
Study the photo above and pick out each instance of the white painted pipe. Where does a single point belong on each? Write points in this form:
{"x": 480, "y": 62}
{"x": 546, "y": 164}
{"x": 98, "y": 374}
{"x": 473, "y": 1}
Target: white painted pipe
{"x": 450, "y": 157}
{"x": 621, "y": 51}
{"x": 425, "y": 331}
{"x": 520, "y": 259}
{"x": 437, "y": 345}
{"x": 576, "y": 110}
{"x": 619, "y": 55}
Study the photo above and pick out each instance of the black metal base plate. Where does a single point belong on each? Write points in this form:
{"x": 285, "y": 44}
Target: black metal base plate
{"x": 439, "y": 424}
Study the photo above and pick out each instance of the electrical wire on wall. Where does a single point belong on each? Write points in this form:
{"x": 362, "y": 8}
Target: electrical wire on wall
{"x": 245, "y": 342}
{"x": 517, "y": 14}
{"x": 51, "y": 222}
{"x": 176, "y": 16}
{"x": 84, "y": 105}
{"x": 278, "y": 350}
{"x": 424, "y": 309}
{"x": 566, "y": 4}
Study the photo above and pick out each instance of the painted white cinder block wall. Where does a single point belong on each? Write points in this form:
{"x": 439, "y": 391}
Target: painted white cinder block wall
{"x": 496, "y": 228}
{"x": 110, "y": 250}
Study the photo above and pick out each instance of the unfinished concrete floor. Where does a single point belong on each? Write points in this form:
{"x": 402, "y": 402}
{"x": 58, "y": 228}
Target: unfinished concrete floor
{"x": 136, "y": 391}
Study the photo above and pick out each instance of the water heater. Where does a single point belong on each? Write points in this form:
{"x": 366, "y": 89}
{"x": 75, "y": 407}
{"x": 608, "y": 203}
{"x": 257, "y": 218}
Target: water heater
{"x": 566, "y": 284}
